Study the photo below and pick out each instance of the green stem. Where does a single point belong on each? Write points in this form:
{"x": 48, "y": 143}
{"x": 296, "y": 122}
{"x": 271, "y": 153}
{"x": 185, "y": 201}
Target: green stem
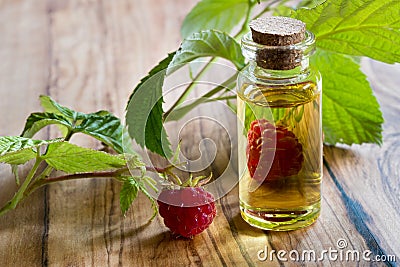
{"x": 176, "y": 178}
{"x": 268, "y": 7}
{"x": 190, "y": 87}
{"x": 243, "y": 29}
{"x": 20, "y": 193}
{"x": 42, "y": 182}
{"x": 181, "y": 111}
{"x": 110, "y": 174}
{"x": 113, "y": 174}
{"x": 68, "y": 135}
{"x": 229, "y": 97}
{"x": 47, "y": 171}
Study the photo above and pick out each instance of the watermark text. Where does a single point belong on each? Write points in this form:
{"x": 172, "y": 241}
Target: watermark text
{"x": 339, "y": 253}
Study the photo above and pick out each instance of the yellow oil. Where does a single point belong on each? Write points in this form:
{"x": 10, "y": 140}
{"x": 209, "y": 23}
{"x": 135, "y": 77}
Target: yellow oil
{"x": 290, "y": 202}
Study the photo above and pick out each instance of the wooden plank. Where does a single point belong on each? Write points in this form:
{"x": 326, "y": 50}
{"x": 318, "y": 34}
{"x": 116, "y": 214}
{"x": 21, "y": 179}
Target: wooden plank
{"x": 83, "y": 75}
{"x": 23, "y": 77}
{"x": 368, "y": 175}
{"x": 98, "y": 50}
{"x": 97, "y": 57}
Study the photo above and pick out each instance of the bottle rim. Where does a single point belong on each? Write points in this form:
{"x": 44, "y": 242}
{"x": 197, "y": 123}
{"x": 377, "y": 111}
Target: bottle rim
{"x": 279, "y": 58}
{"x": 251, "y": 46}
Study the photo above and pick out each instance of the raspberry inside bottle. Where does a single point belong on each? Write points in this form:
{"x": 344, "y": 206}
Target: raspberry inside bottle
{"x": 279, "y": 126}
{"x": 288, "y": 152}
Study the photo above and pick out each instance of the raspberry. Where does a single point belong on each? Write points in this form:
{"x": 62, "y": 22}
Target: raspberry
{"x": 187, "y": 211}
{"x": 285, "y": 155}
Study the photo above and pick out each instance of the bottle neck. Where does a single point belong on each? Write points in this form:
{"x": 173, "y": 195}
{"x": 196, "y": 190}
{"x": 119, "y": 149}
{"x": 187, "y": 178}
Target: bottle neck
{"x": 269, "y": 74}
{"x": 279, "y": 63}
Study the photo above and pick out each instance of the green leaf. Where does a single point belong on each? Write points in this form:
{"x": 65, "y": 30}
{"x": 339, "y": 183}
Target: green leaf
{"x": 101, "y": 125}
{"x": 130, "y": 189}
{"x": 51, "y": 106}
{"x": 221, "y": 15}
{"x": 19, "y": 150}
{"x": 36, "y": 121}
{"x": 210, "y": 43}
{"x": 144, "y": 116}
{"x": 106, "y": 128}
{"x": 350, "y": 111}
{"x": 283, "y": 11}
{"x": 310, "y": 3}
{"x": 71, "y": 158}
{"x": 128, "y": 194}
{"x": 356, "y": 27}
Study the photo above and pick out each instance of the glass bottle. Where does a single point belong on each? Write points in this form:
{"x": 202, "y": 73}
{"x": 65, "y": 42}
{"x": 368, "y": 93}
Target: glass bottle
{"x": 280, "y": 135}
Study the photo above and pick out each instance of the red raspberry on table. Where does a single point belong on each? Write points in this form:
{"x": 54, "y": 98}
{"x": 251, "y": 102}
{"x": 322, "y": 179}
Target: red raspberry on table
{"x": 187, "y": 211}
{"x": 268, "y": 145}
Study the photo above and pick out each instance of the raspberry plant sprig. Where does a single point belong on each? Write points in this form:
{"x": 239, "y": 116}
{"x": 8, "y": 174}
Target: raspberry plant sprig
{"x": 75, "y": 161}
{"x": 185, "y": 206}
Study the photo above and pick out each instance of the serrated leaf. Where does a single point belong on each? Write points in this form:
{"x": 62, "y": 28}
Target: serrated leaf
{"x": 101, "y": 125}
{"x": 128, "y": 194}
{"x": 350, "y": 110}
{"x": 102, "y": 113}
{"x": 36, "y": 121}
{"x": 106, "y": 128}
{"x": 221, "y": 15}
{"x": 356, "y": 27}
{"x": 51, "y": 106}
{"x": 210, "y": 43}
{"x": 19, "y": 150}
{"x": 144, "y": 115}
{"x": 71, "y": 158}
{"x": 18, "y": 157}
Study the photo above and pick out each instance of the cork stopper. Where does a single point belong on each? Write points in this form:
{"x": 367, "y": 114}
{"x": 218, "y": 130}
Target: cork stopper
{"x": 278, "y": 31}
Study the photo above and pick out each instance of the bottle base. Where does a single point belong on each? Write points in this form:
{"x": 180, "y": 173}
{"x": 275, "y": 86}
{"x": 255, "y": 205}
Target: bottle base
{"x": 279, "y": 219}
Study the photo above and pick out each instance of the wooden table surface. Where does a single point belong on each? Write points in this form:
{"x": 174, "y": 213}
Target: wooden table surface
{"x": 88, "y": 55}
